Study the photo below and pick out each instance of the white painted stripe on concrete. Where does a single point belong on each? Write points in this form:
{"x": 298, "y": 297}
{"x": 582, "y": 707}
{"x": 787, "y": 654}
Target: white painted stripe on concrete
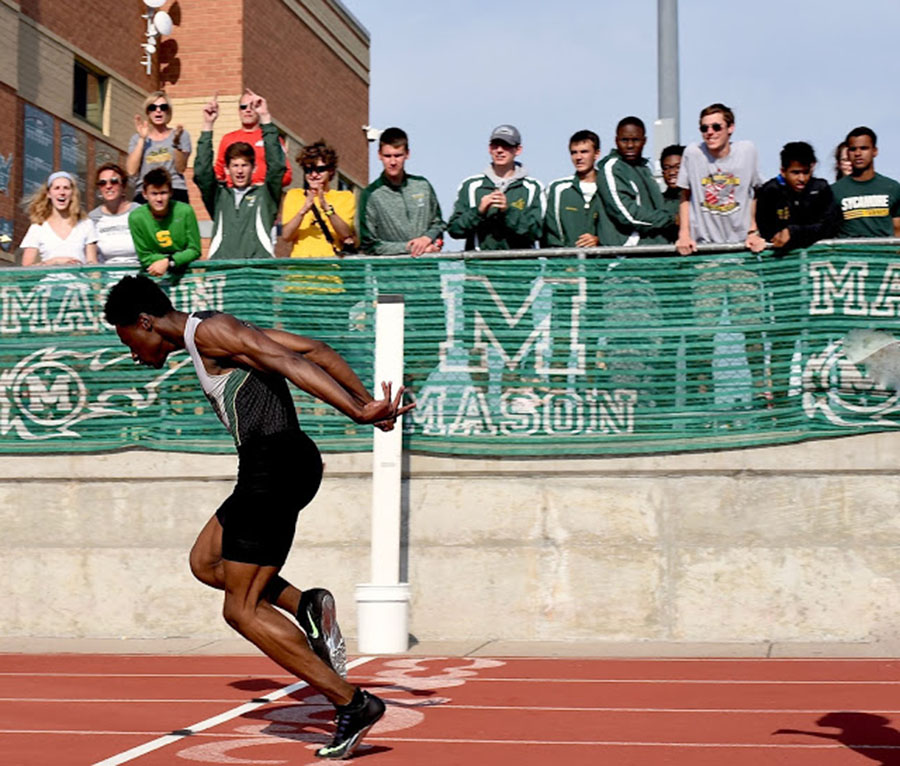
{"x": 156, "y": 744}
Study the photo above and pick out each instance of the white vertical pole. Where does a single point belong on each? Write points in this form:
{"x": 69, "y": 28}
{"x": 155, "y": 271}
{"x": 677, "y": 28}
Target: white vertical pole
{"x": 388, "y": 445}
{"x": 382, "y": 606}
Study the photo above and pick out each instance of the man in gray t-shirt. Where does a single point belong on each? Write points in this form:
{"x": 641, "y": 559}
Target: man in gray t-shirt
{"x": 717, "y": 180}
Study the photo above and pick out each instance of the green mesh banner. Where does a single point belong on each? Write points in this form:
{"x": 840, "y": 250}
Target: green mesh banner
{"x": 544, "y": 355}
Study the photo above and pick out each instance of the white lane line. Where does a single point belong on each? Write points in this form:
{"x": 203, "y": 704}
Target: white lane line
{"x": 145, "y": 675}
{"x": 156, "y": 744}
{"x": 681, "y": 681}
{"x": 456, "y": 706}
{"x": 585, "y": 743}
{"x": 614, "y": 743}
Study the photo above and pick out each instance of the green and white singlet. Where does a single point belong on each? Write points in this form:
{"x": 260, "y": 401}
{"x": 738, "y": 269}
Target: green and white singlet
{"x": 248, "y": 402}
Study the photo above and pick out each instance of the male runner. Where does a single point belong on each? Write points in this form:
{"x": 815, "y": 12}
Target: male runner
{"x": 242, "y": 370}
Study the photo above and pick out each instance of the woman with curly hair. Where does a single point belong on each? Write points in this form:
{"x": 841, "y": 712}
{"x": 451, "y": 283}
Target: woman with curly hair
{"x": 318, "y": 219}
{"x": 60, "y": 234}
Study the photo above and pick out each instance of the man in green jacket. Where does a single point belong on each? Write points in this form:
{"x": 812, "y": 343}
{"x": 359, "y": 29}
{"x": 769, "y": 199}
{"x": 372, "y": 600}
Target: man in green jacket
{"x": 502, "y": 208}
{"x": 633, "y": 211}
{"x": 573, "y": 207}
{"x": 399, "y": 213}
{"x": 165, "y": 231}
{"x": 243, "y": 214}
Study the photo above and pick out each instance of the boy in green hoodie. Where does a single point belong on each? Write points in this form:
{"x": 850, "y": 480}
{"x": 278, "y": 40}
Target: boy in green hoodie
{"x": 242, "y": 213}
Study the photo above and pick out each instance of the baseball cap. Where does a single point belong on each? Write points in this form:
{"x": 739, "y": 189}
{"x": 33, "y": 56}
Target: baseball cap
{"x": 508, "y": 134}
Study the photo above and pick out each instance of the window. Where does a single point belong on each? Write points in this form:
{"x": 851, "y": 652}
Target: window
{"x": 89, "y": 94}
{"x": 344, "y": 184}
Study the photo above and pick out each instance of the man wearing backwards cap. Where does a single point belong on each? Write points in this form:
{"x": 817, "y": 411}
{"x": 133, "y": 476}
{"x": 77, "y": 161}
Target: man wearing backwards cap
{"x": 502, "y": 208}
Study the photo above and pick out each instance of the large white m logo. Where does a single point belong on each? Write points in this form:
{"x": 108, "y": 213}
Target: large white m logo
{"x": 553, "y": 307}
{"x": 848, "y": 284}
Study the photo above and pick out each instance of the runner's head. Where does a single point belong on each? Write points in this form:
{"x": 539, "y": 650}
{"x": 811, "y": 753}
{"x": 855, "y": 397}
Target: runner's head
{"x": 133, "y": 306}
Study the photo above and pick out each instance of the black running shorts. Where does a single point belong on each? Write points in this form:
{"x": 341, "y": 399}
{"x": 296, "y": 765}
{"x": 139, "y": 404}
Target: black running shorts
{"x": 278, "y": 475}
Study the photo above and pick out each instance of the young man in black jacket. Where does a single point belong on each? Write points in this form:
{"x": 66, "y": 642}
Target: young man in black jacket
{"x": 794, "y": 210}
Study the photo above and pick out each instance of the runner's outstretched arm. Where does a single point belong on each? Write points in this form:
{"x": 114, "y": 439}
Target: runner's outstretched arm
{"x": 225, "y": 338}
{"x": 327, "y": 358}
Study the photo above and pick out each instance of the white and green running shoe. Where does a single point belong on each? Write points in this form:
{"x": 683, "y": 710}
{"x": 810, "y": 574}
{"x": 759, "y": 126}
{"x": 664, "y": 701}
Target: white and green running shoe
{"x": 318, "y": 619}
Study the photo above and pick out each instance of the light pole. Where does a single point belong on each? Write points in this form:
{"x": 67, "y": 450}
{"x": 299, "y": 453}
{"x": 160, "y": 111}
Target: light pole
{"x": 666, "y": 129}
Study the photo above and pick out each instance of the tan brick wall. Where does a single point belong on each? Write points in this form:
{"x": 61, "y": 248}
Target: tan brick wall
{"x": 116, "y": 49}
{"x": 47, "y": 81}
{"x": 317, "y": 95}
{"x": 9, "y": 46}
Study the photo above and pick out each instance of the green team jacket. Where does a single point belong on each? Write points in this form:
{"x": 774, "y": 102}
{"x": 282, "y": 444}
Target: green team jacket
{"x": 390, "y": 216}
{"x": 568, "y": 215}
{"x": 633, "y": 209}
{"x": 516, "y": 228}
{"x": 177, "y": 235}
{"x": 242, "y": 232}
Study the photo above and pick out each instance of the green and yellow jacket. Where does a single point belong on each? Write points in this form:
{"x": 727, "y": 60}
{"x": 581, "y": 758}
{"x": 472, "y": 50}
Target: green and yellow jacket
{"x": 516, "y": 228}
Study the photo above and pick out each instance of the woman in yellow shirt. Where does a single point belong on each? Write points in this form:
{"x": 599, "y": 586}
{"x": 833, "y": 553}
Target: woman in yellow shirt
{"x": 318, "y": 219}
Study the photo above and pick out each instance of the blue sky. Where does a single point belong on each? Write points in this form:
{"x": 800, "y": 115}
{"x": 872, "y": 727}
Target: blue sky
{"x": 792, "y": 70}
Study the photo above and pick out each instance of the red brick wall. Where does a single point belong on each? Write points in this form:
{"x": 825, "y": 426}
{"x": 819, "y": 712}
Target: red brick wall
{"x": 209, "y": 48}
{"x": 9, "y": 144}
{"x": 310, "y": 91}
{"x": 118, "y": 48}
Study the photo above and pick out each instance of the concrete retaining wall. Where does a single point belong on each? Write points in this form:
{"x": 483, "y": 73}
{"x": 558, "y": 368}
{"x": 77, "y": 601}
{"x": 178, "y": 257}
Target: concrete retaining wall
{"x": 792, "y": 543}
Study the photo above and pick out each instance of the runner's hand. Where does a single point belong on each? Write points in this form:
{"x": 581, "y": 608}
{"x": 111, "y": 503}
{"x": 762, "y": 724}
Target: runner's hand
{"x": 387, "y": 409}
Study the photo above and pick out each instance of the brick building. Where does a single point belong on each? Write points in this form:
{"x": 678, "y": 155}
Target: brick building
{"x": 71, "y": 75}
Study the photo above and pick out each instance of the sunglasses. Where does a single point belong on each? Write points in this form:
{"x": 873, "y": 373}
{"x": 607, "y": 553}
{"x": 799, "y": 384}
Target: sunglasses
{"x": 244, "y": 107}
{"x": 715, "y": 127}
{"x": 320, "y": 169}
{"x": 158, "y": 108}
{"x": 109, "y": 182}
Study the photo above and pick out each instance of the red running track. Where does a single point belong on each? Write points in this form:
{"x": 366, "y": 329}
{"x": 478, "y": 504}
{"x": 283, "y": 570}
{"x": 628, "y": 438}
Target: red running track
{"x": 73, "y": 710}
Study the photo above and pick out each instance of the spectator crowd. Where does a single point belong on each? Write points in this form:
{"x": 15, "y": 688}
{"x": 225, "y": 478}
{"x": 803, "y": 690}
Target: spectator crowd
{"x": 712, "y": 192}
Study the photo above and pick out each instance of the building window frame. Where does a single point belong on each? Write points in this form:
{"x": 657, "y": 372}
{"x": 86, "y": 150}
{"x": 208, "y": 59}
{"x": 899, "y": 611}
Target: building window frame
{"x": 89, "y": 94}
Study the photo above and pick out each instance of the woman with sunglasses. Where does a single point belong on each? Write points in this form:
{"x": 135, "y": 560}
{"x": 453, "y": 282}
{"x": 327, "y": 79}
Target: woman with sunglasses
{"x": 156, "y": 145}
{"x": 60, "y": 234}
{"x": 110, "y": 217}
{"x": 318, "y": 220}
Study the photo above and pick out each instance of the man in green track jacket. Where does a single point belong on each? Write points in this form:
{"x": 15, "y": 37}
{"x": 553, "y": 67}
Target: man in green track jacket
{"x": 573, "y": 207}
{"x": 399, "y": 213}
{"x": 243, "y": 214}
{"x": 164, "y": 231}
{"x": 502, "y": 208}
{"x": 633, "y": 211}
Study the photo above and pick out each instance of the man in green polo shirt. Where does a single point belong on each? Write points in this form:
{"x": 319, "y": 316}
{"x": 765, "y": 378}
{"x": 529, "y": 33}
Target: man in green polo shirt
{"x": 869, "y": 202}
{"x": 165, "y": 231}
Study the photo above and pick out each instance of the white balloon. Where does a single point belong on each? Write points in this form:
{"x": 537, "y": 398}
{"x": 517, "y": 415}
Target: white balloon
{"x": 163, "y": 22}
{"x": 154, "y": 3}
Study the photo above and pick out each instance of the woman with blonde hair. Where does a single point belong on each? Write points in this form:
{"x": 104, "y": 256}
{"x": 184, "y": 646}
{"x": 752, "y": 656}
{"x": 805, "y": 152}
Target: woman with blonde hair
{"x": 60, "y": 234}
{"x": 156, "y": 145}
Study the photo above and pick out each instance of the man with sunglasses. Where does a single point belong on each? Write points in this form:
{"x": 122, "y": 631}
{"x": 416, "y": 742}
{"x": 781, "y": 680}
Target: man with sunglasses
{"x": 242, "y": 213}
{"x": 718, "y": 178}
{"x": 110, "y": 217}
{"x": 251, "y": 133}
